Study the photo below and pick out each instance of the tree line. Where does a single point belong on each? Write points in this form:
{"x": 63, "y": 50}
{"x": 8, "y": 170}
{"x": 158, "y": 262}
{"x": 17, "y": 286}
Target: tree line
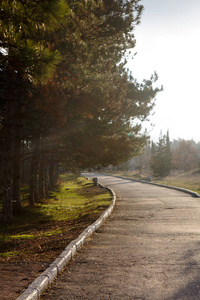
{"x": 176, "y": 155}
{"x": 66, "y": 96}
{"x": 164, "y": 156}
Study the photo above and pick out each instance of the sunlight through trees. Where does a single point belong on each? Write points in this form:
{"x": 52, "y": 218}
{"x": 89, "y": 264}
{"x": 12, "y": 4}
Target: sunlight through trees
{"x": 66, "y": 97}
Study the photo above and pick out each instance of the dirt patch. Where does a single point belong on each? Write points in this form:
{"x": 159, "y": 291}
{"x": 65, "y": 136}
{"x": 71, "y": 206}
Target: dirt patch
{"x": 16, "y": 276}
{"x": 18, "y": 272}
{"x": 42, "y": 243}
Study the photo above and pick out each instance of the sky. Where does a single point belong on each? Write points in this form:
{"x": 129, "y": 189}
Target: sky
{"x": 168, "y": 42}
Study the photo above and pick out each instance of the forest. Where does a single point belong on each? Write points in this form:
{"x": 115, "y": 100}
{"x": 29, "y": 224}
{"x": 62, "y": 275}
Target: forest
{"x": 67, "y": 99}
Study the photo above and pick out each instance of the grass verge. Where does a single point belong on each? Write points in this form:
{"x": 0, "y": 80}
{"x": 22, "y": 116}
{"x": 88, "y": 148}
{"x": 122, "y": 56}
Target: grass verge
{"x": 187, "y": 181}
{"x": 44, "y": 230}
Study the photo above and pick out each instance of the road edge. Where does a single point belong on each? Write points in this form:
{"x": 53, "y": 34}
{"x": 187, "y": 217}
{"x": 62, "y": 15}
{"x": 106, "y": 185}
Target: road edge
{"x": 194, "y": 194}
{"x": 44, "y": 280}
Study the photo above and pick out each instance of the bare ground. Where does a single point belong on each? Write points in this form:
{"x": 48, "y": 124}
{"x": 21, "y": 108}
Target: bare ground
{"x": 17, "y": 272}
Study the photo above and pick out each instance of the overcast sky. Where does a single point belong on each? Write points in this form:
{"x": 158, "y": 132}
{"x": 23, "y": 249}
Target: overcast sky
{"x": 168, "y": 42}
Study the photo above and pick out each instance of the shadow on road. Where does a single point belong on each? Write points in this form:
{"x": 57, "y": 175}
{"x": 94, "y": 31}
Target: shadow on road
{"x": 190, "y": 291}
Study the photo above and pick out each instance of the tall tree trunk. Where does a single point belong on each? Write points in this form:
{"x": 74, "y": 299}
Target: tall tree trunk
{"x": 56, "y": 176}
{"x": 7, "y": 208}
{"x": 41, "y": 184}
{"x": 33, "y": 189}
{"x": 46, "y": 180}
{"x": 11, "y": 159}
{"x": 16, "y": 169}
{"x": 53, "y": 173}
{"x": 7, "y": 164}
{"x": 25, "y": 165}
{"x": 33, "y": 184}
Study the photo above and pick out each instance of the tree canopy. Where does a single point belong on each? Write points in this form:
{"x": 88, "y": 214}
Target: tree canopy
{"x": 185, "y": 156}
{"x": 65, "y": 94}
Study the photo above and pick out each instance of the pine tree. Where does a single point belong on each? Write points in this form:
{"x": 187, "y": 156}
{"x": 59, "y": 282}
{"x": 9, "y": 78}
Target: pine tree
{"x": 65, "y": 93}
{"x": 25, "y": 60}
{"x": 162, "y": 157}
{"x": 100, "y": 93}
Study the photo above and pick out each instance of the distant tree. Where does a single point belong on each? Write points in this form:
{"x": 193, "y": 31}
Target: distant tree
{"x": 162, "y": 157}
{"x": 185, "y": 156}
{"x": 153, "y": 148}
{"x": 142, "y": 162}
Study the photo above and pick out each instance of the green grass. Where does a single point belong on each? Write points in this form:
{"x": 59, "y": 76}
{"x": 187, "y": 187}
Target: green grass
{"x": 73, "y": 200}
{"x": 9, "y": 254}
{"x": 20, "y": 236}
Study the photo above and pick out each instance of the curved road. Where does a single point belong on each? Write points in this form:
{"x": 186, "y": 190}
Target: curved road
{"x": 148, "y": 249}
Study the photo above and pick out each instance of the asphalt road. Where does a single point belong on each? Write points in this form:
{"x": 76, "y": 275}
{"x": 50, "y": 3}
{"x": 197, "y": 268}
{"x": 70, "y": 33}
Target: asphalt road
{"x": 148, "y": 249}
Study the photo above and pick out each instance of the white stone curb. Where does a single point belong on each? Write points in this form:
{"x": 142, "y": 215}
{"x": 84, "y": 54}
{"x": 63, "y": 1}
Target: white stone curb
{"x": 41, "y": 283}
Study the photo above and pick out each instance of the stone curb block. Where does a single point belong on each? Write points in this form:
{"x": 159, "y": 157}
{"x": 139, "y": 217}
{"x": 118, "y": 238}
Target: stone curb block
{"x": 30, "y": 294}
{"x": 51, "y": 272}
{"x": 42, "y": 282}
